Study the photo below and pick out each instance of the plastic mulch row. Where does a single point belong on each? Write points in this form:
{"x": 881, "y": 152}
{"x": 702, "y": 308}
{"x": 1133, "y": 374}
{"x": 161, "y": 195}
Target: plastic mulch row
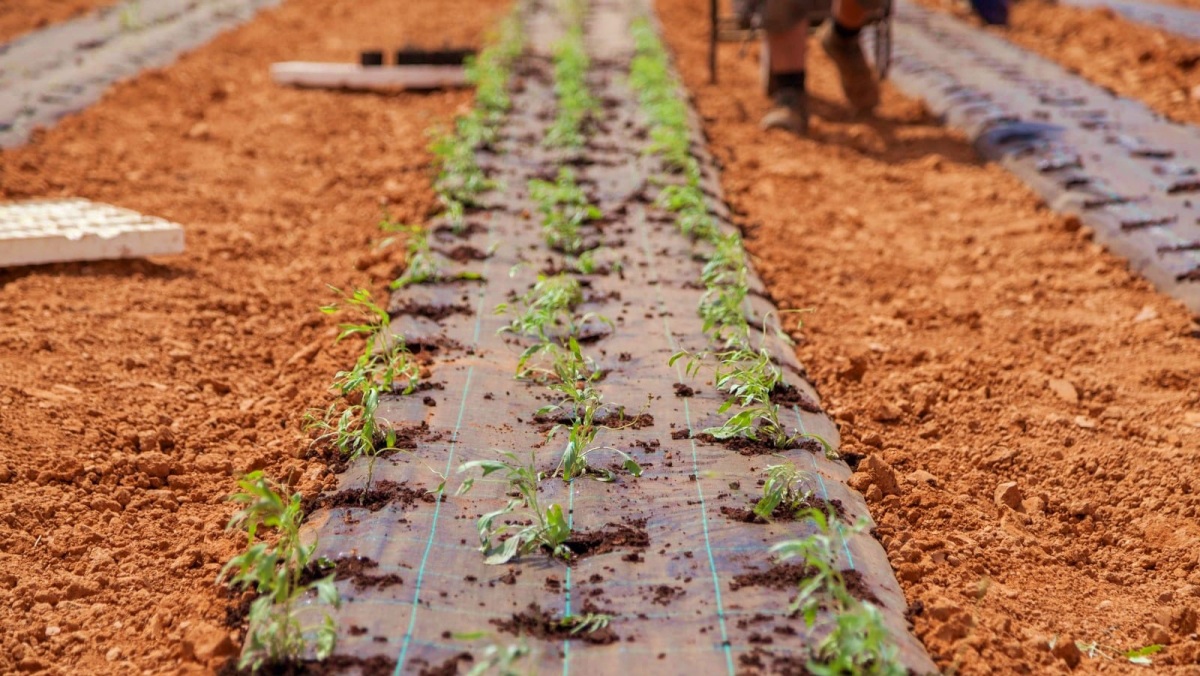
{"x": 669, "y": 547}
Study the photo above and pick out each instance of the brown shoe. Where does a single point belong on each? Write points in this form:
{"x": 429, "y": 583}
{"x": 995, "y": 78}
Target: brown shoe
{"x": 858, "y": 80}
{"x": 789, "y": 112}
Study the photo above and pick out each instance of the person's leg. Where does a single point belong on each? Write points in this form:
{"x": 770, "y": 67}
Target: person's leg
{"x": 840, "y": 40}
{"x": 786, "y": 25}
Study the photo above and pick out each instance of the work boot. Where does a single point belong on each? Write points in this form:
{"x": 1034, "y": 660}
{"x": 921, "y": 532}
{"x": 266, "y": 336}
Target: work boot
{"x": 789, "y": 112}
{"x": 858, "y": 80}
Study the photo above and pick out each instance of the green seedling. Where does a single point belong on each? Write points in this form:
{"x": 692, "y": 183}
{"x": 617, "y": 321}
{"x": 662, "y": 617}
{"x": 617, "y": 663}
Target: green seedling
{"x": 547, "y": 526}
{"x": 575, "y": 103}
{"x": 580, "y": 401}
{"x": 355, "y": 430}
{"x": 502, "y": 660}
{"x": 584, "y": 263}
{"x": 574, "y": 462}
{"x": 549, "y": 317}
{"x": 856, "y": 642}
{"x": 280, "y": 630}
{"x": 385, "y": 362}
{"x": 585, "y": 624}
{"x": 460, "y": 179}
{"x": 130, "y": 17}
{"x": 650, "y": 76}
{"x": 1138, "y": 656}
{"x": 565, "y": 208}
{"x": 784, "y": 487}
{"x": 421, "y": 264}
{"x": 548, "y": 307}
{"x": 691, "y": 209}
{"x": 489, "y": 71}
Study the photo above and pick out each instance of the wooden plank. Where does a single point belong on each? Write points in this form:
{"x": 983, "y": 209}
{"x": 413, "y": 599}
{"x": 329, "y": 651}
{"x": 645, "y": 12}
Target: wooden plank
{"x": 354, "y": 76}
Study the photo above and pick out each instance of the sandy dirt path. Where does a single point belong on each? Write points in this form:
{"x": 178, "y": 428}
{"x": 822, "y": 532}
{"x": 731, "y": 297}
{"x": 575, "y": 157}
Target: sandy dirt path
{"x": 133, "y": 392}
{"x": 1026, "y": 406}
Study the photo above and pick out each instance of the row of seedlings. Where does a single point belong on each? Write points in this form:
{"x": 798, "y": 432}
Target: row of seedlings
{"x": 855, "y": 641}
{"x": 460, "y": 180}
{"x": 549, "y": 314}
{"x": 285, "y": 626}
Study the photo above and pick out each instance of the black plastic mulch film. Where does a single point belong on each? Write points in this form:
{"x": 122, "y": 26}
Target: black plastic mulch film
{"x": 1129, "y": 174}
{"x": 673, "y": 603}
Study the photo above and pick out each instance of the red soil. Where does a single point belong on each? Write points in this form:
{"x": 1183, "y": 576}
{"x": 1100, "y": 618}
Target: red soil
{"x": 965, "y": 338}
{"x": 134, "y": 391}
{"x": 18, "y": 17}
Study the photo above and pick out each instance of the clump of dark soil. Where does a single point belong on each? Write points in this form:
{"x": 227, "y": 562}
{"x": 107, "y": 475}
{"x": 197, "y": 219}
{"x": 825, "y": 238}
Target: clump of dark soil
{"x": 783, "y": 513}
{"x": 757, "y": 660}
{"x": 779, "y": 576}
{"x": 448, "y": 233}
{"x": 758, "y": 446}
{"x": 785, "y": 394}
{"x": 788, "y": 576}
{"x": 464, "y": 253}
{"x": 614, "y": 536}
{"x": 857, "y": 586}
{"x": 381, "y": 494}
{"x": 379, "y": 665}
{"x": 664, "y": 594}
{"x": 435, "y": 311}
{"x": 447, "y": 668}
{"x": 238, "y": 607}
{"x": 353, "y": 568}
{"x": 538, "y": 623}
{"x": 637, "y": 422}
{"x": 683, "y": 390}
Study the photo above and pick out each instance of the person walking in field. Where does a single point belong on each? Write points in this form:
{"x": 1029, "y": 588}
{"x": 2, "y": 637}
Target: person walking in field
{"x": 786, "y": 23}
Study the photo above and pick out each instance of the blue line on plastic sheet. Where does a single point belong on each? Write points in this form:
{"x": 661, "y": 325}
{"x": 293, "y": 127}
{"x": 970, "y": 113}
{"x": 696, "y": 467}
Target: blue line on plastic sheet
{"x": 437, "y": 509}
{"x": 412, "y": 618}
{"x": 567, "y": 584}
{"x": 687, "y": 413}
{"x": 824, "y": 488}
{"x": 639, "y": 650}
{"x": 712, "y": 561}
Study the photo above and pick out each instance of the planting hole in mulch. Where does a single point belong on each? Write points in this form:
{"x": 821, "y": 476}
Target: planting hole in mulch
{"x": 757, "y": 446}
{"x": 355, "y": 569}
{"x": 788, "y": 576}
{"x": 683, "y": 390}
{"x": 537, "y": 623}
{"x": 435, "y": 311}
{"x": 447, "y": 668}
{"x": 630, "y": 535}
{"x": 782, "y": 513}
{"x": 382, "y": 493}
{"x": 464, "y": 253}
{"x": 334, "y": 665}
{"x": 786, "y": 394}
{"x": 764, "y": 661}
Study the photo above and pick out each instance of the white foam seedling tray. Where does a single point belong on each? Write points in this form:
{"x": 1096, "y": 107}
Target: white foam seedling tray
{"x": 55, "y": 231}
